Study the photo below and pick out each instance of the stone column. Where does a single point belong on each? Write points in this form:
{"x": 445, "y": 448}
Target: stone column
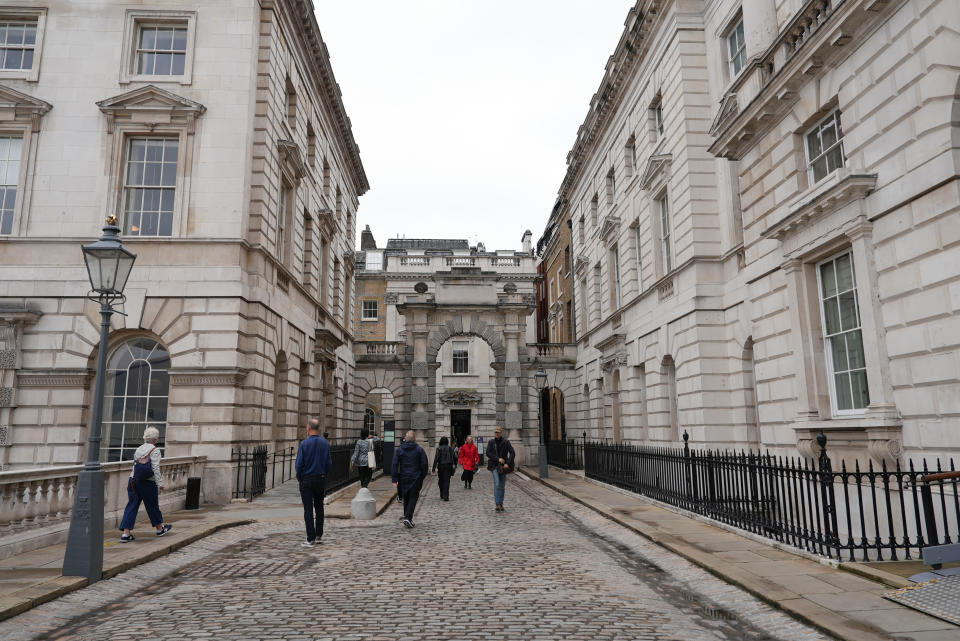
{"x": 512, "y": 390}
{"x": 802, "y": 337}
{"x": 759, "y": 25}
{"x": 419, "y": 374}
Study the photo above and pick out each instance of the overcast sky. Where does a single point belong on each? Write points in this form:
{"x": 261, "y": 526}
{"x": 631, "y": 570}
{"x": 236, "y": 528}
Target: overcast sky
{"x": 465, "y": 110}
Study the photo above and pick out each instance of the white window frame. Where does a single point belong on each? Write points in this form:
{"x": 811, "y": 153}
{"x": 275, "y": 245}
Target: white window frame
{"x": 125, "y": 186}
{"x": 740, "y": 54}
{"x": 656, "y": 118}
{"x": 833, "y": 119}
{"x": 23, "y": 14}
{"x": 364, "y": 309}
{"x": 827, "y": 346}
{"x": 136, "y": 18}
{"x": 638, "y": 244}
{"x": 666, "y": 246}
{"x": 464, "y": 347}
{"x": 615, "y": 268}
{"x": 286, "y": 200}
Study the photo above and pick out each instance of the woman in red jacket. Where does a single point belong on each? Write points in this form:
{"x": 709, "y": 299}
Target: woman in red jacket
{"x": 469, "y": 460}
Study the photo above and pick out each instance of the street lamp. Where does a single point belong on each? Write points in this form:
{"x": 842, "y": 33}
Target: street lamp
{"x": 540, "y": 380}
{"x": 108, "y": 267}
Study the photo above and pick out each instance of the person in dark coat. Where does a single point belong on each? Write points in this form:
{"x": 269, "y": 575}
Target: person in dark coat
{"x": 445, "y": 459}
{"x": 410, "y": 467}
{"x": 313, "y": 463}
{"x": 500, "y": 453}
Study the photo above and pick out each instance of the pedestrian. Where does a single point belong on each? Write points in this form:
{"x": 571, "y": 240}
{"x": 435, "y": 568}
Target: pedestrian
{"x": 144, "y": 486}
{"x": 409, "y": 470}
{"x": 361, "y": 457}
{"x": 313, "y": 462}
{"x": 469, "y": 460}
{"x": 444, "y": 460}
{"x": 501, "y": 461}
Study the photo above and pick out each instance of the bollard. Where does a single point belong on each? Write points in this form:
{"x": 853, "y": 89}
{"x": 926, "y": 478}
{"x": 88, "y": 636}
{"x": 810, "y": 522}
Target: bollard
{"x": 193, "y": 493}
{"x": 364, "y": 505}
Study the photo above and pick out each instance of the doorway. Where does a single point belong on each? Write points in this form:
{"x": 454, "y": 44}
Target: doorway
{"x": 459, "y": 426}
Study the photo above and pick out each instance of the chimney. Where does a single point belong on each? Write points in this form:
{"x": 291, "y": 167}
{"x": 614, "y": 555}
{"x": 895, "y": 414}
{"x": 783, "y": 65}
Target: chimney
{"x": 366, "y": 239}
{"x": 527, "y": 242}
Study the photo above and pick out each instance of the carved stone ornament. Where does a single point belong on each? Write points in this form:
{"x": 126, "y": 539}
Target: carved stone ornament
{"x": 8, "y": 359}
{"x": 6, "y": 396}
{"x": 510, "y": 288}
{"x": 227, "y": 377}
{"x": 421, "y": 287}
{"x": 460, "y": 397}
{"x": 391, "y": 298}
{"x": 885, "y": 450}
{"x": 613, "y": 361}
{"x": 4, "y": 435}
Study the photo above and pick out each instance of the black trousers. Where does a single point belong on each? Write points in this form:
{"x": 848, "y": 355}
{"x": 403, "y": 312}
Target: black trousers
{"x": 410, "y": 500}
{"x": 311, "y": 494}
{"x": 444, "y": 472}
{"x": 365, "y": 474}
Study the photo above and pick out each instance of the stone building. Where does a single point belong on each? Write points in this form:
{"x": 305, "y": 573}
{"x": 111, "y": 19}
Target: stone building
{"x": 216, "y": 132}
{"x": 765, "y": 205}
{"x": 446, "y": 341}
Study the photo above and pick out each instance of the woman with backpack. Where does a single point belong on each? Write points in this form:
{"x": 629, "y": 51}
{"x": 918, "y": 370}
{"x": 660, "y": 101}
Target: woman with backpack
{"x": 144, "y": 487}
{"x": 444, "y": 460}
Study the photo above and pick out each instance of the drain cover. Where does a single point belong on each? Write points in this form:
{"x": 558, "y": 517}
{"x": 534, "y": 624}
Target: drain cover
{"x": 939, "y": 598}
{"x": 234, "y": 569}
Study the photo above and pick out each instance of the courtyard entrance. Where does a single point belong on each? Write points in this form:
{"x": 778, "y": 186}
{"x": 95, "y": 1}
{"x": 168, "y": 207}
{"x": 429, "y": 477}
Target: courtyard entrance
{"x": 459, "y": 426}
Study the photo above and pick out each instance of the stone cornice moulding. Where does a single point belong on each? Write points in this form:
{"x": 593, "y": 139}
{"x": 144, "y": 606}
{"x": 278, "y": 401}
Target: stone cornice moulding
{"x": 18, "y": 106}
{"x": 728, "y": 109}
{"x": 208, "y": 376}
{"x": 151, "y": 106}
{"x": 54, "y": 378}
{"x": 822, "y": 199}
{"x": 290, "y": 154}
{"x": 657, "y": 169}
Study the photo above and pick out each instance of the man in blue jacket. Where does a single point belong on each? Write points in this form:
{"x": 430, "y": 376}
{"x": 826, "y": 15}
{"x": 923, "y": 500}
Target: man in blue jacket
{"x": 409, "y": 469}
{"x": 313, "y": 463}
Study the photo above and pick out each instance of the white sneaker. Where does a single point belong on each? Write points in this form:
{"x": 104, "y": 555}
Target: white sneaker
{"x": 307, "y": 544}
{"x": 407, "y": 523}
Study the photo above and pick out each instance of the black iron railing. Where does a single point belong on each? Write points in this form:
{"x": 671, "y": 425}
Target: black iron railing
{"x": 251, "y": 472}
{"x": 567, "y": 454}
{"x": 866, "y": 514}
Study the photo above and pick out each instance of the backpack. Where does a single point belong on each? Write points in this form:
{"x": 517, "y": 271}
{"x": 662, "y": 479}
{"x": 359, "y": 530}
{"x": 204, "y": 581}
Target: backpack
{"x": 446, "y": 456}
{"x": 143, "y": 468}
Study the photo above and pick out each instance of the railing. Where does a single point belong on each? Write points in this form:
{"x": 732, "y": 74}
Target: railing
{"x": 461, "y": 261}
{"x": 251, "y": 464}
{"x": 870, "y": 514}
{"x": 414, "y": 260}
{"x": 382, "y": 349}
{"x": 44, "y": 496}
{"x": 505, "y": 261}
{"x": 567, "y": 454}
{"x": 551, "y": 349}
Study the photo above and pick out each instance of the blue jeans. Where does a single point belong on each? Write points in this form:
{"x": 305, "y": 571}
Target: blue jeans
{"x": 499, "y": 486}
{"x": 143, "y": 492}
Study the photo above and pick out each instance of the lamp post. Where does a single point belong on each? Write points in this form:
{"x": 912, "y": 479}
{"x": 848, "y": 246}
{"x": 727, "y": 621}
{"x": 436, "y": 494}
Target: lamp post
{"x": 540, "y": 379}
{"x": 108, "y": 267}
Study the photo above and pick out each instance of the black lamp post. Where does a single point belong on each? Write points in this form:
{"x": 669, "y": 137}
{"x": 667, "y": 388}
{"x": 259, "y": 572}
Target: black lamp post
{"x": 108, "y": 267}
{"x": 540, "y": 379}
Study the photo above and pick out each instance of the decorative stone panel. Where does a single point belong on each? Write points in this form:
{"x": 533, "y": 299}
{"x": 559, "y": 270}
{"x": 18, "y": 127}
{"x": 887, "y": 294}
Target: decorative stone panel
{"x": 512, "y": 419}
{"x": 512, "y": 394}
{"x": 6, "y": 396}
{"x": 420, "y": 369}
{"x": 419, "y": 394}
{"x": 419, "y": 420}
{"x": 4, "y": 435}
{"x": 512, "y": 369}
{"x": 8, "y": 358}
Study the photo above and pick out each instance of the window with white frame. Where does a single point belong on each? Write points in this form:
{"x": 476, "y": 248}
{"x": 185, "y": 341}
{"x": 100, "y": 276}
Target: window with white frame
{"x": 18, "y": 41}
{"x": 663, "y": 207}
{"x": 161, "y": 49}
{"x": 369, "y": 420}
{"x": 611, "y": 187}
{"x": 11, "y": 148}
{"x": 594, "y": 207}
{"x": 150, "y": 185}
{"x": 637, "y": 244}
{"x": 283, "y": 219}
{"x": 615, "y": 292}
{"x": 656, "y": 117}
{"x": 843, "y": 339}
{"x": 371, "y": 310}
{"x": 461, "y": 358}
{"x": 631, "y": 156}
{"x": 825, "y": 147}
{"x": 736, "y": 49}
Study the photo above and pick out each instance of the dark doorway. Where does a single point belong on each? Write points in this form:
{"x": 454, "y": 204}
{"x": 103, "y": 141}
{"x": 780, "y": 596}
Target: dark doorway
{"x": 459, "y": 426}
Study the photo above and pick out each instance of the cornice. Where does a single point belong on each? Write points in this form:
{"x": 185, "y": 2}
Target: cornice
{"x": 845, "y": 187}
{"x": 54, "y": 378}
{"x": 208, "y": 376}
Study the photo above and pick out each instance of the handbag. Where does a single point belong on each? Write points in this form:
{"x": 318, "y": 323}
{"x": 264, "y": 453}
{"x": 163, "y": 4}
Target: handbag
{"x": 504, "y": 468}
{"x": 371, "y": 456}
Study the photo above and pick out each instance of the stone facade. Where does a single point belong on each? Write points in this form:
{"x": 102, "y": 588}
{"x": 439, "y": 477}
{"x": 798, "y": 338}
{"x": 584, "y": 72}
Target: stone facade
{"x": 765, "y": 200}
{"x": 245, "y": 282}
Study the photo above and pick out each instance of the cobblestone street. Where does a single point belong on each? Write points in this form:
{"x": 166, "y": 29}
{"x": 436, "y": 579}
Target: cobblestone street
{"x": 545, "y": 569}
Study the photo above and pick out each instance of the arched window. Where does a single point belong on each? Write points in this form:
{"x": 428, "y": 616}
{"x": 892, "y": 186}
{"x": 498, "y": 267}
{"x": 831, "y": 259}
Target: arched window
{"x": 137, "y": 387}
{"x": 369, "y": 421}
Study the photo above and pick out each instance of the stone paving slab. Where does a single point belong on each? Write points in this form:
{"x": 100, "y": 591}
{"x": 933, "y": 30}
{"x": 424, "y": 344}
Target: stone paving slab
{"x": 843, "y": 604}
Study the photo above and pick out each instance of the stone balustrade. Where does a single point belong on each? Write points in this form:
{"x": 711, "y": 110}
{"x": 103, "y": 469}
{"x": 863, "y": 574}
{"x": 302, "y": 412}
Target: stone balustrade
{"x": 382, "y": 348}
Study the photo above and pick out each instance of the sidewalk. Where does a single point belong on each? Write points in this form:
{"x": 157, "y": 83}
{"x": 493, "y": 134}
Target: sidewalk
{"x": 838, "y": 602}
{"x": 32, "y": 578}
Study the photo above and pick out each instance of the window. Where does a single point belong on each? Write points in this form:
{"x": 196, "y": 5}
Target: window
{"x": 611, "y": 187}
{"x": 550, "y": 295}
{"x": 283, "y": 219}
{"x": 825, "y": 147}
{"x": 615, "y": 297}
{"x": 461, "y": 359}
{"x": 369, "y": 420}
{"x": 631, "y": 156}
{"x": 137, "y": 386}
{"x": 150, "y": 185}
{"x": 18, "y": 41}
{"x": 594, "y": 206}
{"x": 582, "y": 231}
{"x": 737, "y": 49}
{"x": 637, "y": 245}
{"x": 10, "y": 149}
{"x": 307, "y": 271}
{"x": 846, "y": 366}
{"x": 374, "y": 261}
{"x": 290, "y": 104}
{"x": 311, "y": 146}
{"x": 673, "y": 406}
{"x": 665, "y": 250}
{"x": 371, "y": 310}
{"x": 326, "y": 178}
{"x": 161, "y": 50}
{"x": 656, "y": 117}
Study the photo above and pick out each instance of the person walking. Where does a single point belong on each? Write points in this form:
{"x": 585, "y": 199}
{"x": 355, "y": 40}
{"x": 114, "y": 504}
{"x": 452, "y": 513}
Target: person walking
{"x": 361, "y": 457}
{"x": 501, "y": 461}
{"x": 444, "y": 460}
{"x": 469, "y": 459}
{"x": 144, "y": 486}
{"x": 409, "y": 470}
{"x": 313, "y": 463}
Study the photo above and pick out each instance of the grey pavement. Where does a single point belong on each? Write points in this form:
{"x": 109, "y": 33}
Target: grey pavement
{"x": 546, "y": 569}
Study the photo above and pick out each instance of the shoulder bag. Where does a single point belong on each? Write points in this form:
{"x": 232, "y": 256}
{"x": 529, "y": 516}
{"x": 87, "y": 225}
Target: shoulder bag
{"x": 371, "y": 456}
